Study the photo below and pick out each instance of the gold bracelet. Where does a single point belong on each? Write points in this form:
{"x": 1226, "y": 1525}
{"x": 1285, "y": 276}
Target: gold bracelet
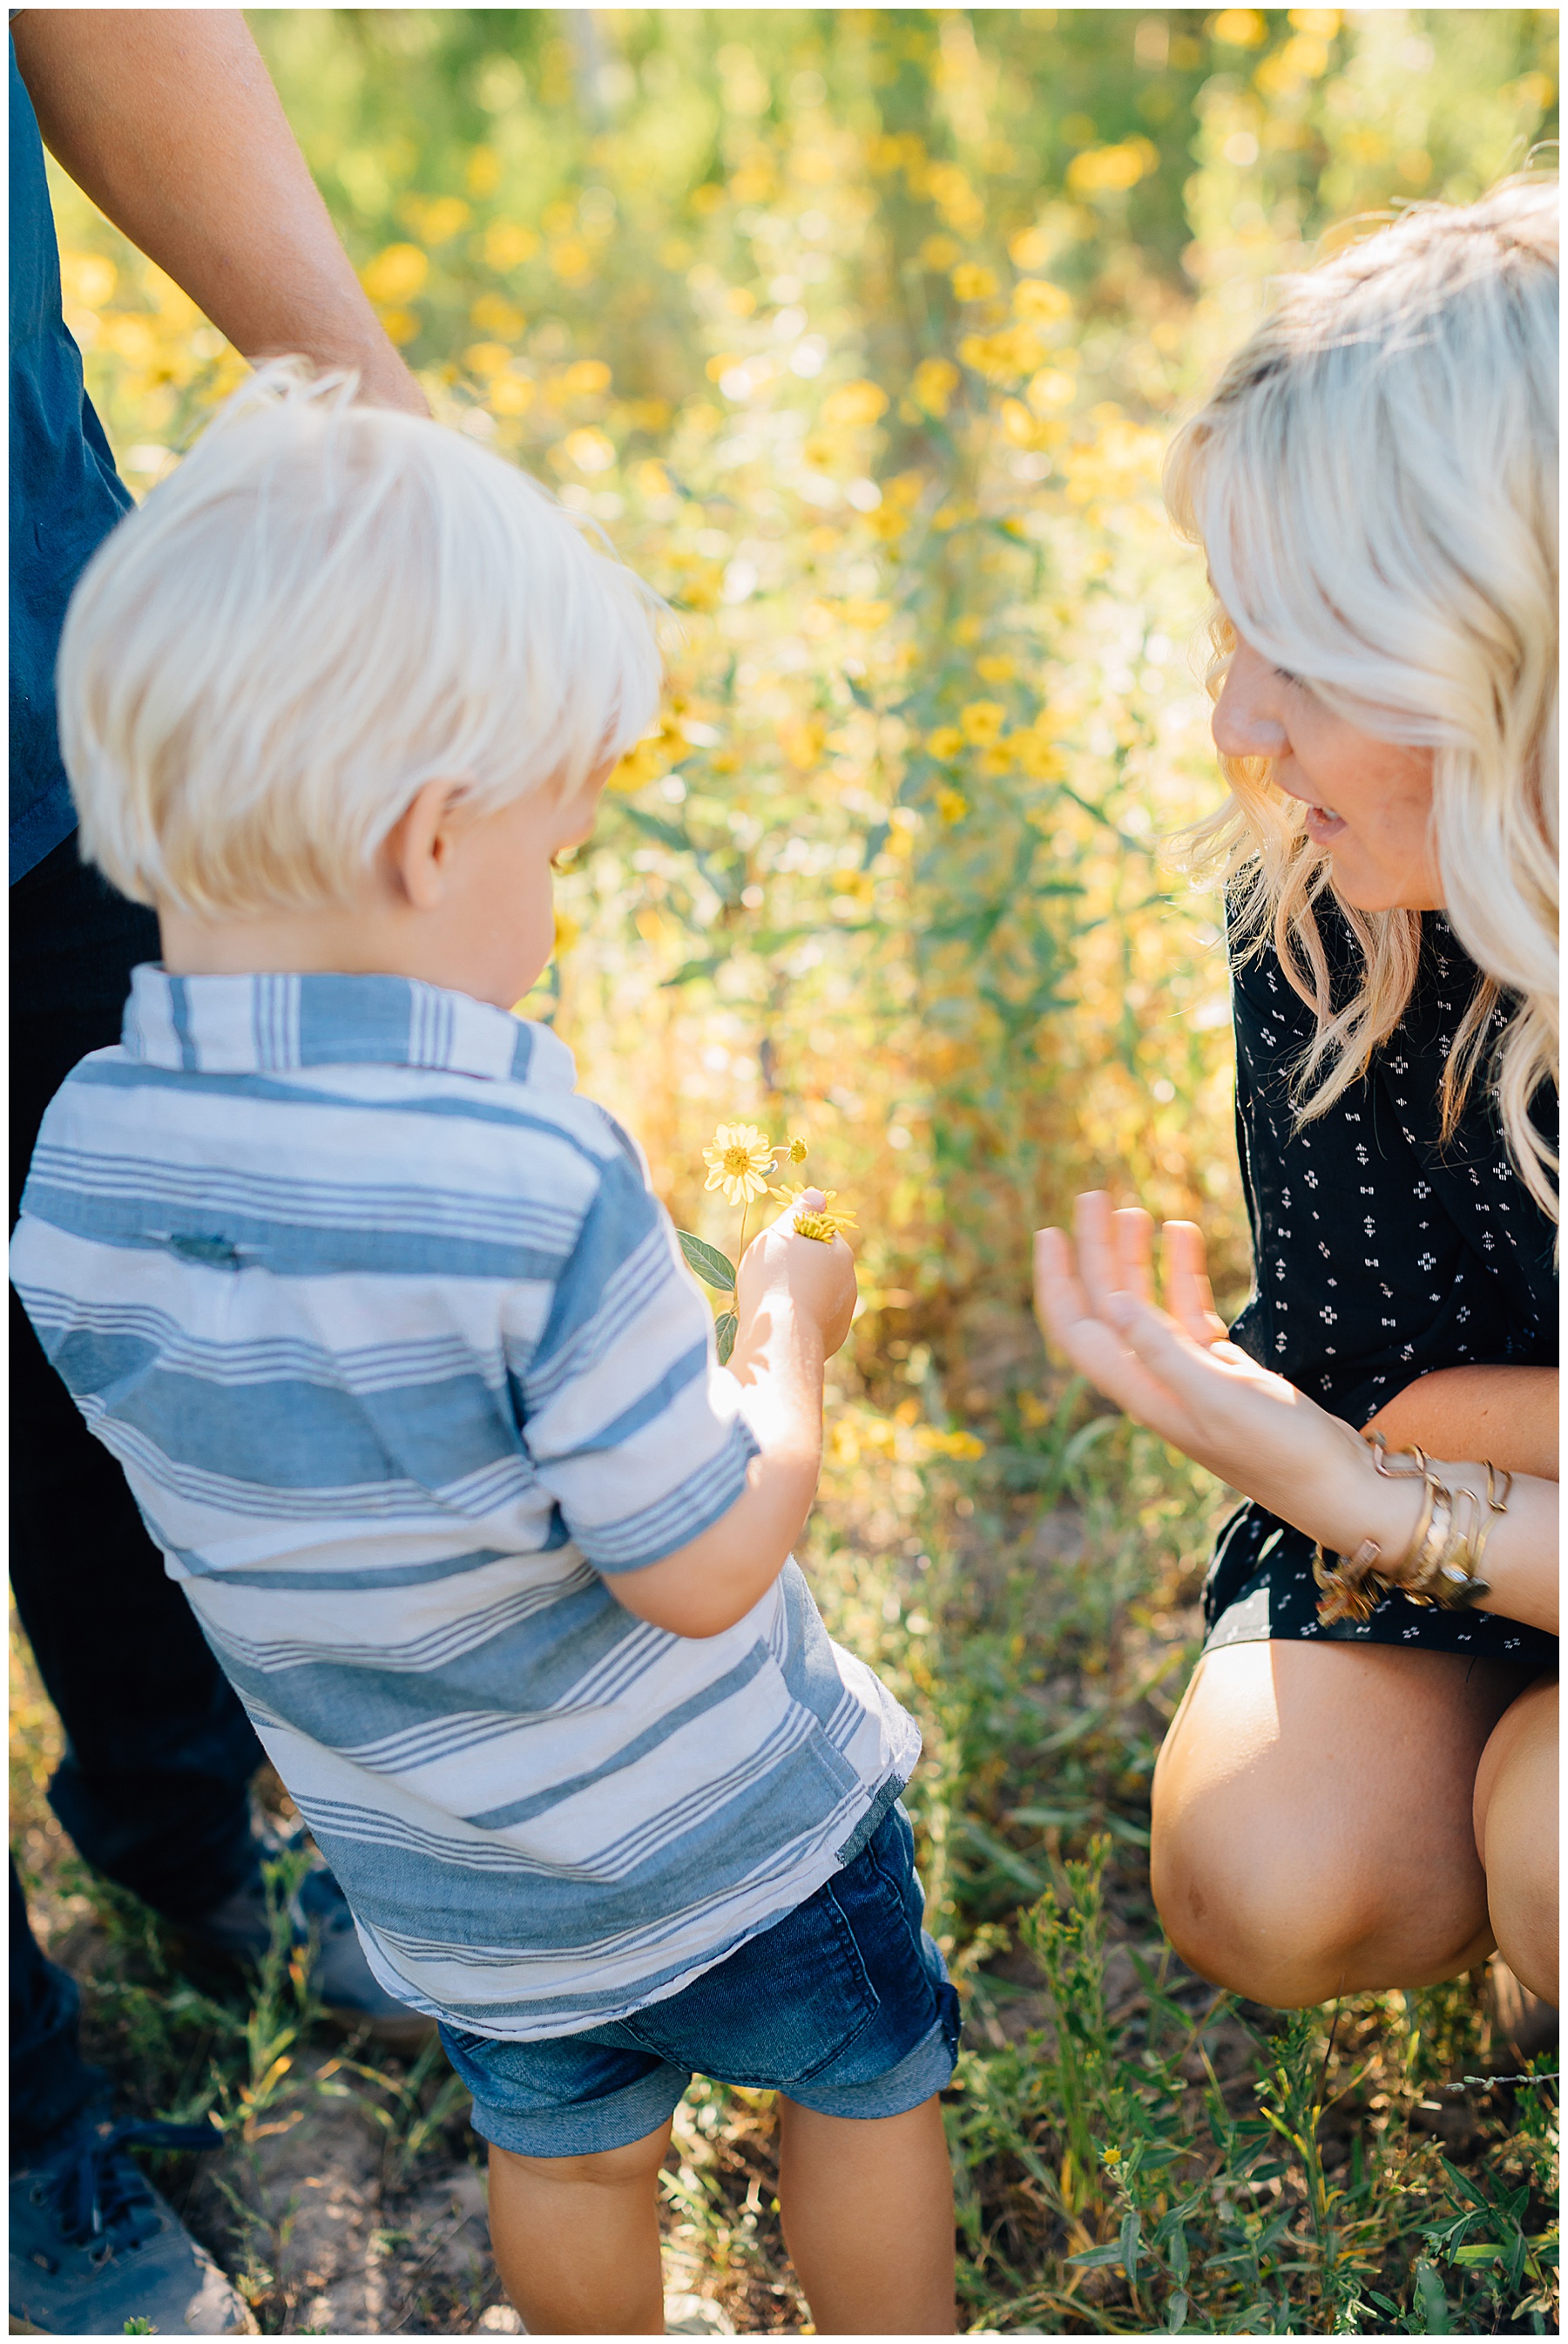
{"x": 1457, "y": 1581}
{"x": 1441, "y": 1567}
{"x": 1444, "y": 1568}
{"x": 1353, "y": 1588}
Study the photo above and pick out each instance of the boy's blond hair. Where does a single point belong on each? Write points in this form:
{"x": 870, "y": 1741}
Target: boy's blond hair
{"x": 324, "y": 608}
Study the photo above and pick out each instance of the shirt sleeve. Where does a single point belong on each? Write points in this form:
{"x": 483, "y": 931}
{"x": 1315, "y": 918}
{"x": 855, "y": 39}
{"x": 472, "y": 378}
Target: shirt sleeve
{"x": 631, "y": 1424}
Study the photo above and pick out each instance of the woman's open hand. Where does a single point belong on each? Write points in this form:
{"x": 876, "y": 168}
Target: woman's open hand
{"x": 1176, "y": 1371}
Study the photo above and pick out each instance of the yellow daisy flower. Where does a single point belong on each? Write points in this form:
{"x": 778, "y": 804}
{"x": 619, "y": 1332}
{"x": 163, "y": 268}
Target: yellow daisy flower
{"x": 798, "y": 1151}
{"x": 819, "y": 1221}
{"x": 738, "y": 1160}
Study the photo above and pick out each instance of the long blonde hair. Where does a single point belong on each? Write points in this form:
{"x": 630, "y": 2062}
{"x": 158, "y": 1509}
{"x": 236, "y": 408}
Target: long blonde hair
{"x": 1374, "y": 481}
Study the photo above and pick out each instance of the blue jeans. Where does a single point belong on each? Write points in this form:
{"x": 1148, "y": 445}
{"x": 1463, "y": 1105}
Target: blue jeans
{"x": 844, "y": 2005}
{"x": 153, "y": 1787}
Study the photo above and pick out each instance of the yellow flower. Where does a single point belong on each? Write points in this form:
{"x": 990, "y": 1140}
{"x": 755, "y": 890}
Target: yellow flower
{"x": 1041, "y": 303}
{"x": 971, "y": 282}
{"x": 952, "y": 804}
{"x": 945, "y": 742}
{"x": 1110, "y": 170}
{"x": 853, "y": 405}
{"x": 397, "y": 274}
{"x": 586, "y": 379}
{"x": 819, "y": 1221}
{"x": 984, "y": 722}
{"x": 797, "y": 1151}
{"x": 507, "y": 246}
{"x": 738, "y": 1159}
{"x": 935, "y": 381}
{"x": 1003, "y": 357}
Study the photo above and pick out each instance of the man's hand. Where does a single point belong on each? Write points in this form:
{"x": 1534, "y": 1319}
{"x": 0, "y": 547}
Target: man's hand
{"x": 166, "y": 118}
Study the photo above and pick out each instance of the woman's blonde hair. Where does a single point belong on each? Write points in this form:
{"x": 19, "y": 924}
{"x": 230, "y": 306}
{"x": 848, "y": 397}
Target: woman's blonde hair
{"x": 325, "y": 607}
{"x": 1374, "y": 482}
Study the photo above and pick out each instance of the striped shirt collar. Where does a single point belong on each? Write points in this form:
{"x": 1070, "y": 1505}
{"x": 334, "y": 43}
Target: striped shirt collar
{"x": 265, "y": 1025}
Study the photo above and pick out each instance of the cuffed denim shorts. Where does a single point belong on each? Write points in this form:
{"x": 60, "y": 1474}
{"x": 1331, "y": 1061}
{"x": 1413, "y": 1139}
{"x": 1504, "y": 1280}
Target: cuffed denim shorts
{"x": 844, "y": 2005}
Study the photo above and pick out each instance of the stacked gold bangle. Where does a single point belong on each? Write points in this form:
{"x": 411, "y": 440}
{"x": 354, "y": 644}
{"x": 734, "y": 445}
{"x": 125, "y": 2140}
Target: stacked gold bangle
{"x": 1441, "y": 1564}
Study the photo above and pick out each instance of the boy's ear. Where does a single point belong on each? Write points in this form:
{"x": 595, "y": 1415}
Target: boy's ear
{"x": 420, "y": 843}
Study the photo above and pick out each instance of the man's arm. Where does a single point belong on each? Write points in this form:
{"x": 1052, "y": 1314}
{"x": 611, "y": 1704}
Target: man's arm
{"x": 167, "y": 119}
{"x": 1506, "y": 1414}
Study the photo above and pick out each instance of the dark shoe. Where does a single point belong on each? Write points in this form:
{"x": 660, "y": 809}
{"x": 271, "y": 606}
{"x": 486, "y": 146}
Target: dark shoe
{"x": 94, "y": 2245}
{"x": 240, "y": 1930}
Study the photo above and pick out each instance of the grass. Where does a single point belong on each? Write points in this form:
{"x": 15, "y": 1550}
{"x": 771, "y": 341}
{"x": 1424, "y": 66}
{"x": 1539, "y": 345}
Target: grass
{"x": 1135, "y": 2153}
{"x": 726, "y": 286}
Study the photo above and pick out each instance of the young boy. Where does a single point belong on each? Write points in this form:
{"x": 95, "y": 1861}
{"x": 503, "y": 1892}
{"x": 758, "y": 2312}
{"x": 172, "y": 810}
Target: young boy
{"x": 416, "y": 1395}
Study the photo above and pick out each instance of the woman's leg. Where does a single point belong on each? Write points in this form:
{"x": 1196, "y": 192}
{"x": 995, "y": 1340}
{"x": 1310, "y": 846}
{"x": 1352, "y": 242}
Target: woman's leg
{"x": 1313, "y": 1833}
{"x": 576, "y": 2238}
{"x": 867, "y": 2204}
{"x": 1517, "y": 1833}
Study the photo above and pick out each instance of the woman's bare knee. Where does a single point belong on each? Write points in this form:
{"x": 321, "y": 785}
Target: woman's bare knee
{"x": 1517, "y": 1833}
{"x": 1297, "y": 1854}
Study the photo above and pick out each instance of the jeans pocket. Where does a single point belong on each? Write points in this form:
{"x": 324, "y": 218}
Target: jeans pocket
{"x": 789, "y": 2002}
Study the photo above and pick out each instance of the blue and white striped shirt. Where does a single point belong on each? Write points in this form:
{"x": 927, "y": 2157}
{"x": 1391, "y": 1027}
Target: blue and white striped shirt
{"x": 401, "y": 1359}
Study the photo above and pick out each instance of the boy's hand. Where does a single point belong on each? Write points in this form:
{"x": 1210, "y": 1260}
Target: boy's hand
{"x": 815, "y": 1280}
{"x": 795, "y": 1297}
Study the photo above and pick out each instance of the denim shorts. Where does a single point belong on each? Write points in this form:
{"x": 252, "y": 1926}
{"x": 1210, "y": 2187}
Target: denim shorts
{"x": 844, "y": 2005}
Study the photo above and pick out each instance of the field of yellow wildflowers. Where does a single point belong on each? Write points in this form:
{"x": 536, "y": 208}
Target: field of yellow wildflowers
{"x": 860, "y": 333}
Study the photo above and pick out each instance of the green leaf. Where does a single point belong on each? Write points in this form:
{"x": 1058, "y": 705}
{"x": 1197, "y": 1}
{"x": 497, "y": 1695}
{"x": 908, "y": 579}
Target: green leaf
{"x": 1096, "y": 2257}
{"x": 1477, "y": 2257}
{"x": 724, "y": 1332}
{"x": 1176, "y": 2314}
{"x": 1131, "y": 2237}
{"x": 712, "y": 1266}
{"x": 1431, "y": 2304}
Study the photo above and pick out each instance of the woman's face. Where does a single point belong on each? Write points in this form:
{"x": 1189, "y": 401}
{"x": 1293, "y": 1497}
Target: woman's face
{"x": 1368, "y": 801}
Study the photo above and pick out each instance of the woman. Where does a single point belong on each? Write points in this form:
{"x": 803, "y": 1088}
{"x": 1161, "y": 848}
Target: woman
{"x": 1359, "y": 1789}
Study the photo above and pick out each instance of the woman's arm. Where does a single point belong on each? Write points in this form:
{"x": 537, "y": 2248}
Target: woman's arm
{"x": 1509, "y": 1414}
{"x": 1180, "y": 1375}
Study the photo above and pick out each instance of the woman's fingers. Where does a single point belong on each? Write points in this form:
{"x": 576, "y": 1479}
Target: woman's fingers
{"x": 1093, "y": 1342}
{"x": 1188, "y": 1294}
{"x": 1132, "y": 1231}
{"x": 1097, "y": 1263}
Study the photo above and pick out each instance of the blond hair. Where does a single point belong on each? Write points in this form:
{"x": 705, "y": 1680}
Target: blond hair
{"x": 325, "y": 607}
{"x": 1374, "y": 481}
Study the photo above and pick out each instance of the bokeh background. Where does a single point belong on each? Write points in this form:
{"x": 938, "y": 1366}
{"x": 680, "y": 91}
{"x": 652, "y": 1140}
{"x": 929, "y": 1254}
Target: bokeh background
{"x": 861, "y": 334}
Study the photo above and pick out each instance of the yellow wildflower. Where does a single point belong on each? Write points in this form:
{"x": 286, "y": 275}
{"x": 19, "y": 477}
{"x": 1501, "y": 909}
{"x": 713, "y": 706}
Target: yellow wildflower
{"x": 797, "y": 1150}
{"x": 738, "y": 1159}
{"x": 952, "y": 804}
{"x": 945, "y": 742}
{"x": 1039, "y": 303}
{"x": 1003, "y": 357}
{"x": 971, "y": 282}
{"x": 395, "y": 274}
{"x": 984, "y": 722}
{"x": 819, "y": 1221}
{"x": 852, "y": 405}
{"x": 935, "y": 379}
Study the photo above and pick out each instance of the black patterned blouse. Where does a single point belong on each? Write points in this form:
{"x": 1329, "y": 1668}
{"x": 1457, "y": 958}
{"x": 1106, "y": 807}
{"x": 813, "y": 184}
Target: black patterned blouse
{"x": 1378, "y": 1254}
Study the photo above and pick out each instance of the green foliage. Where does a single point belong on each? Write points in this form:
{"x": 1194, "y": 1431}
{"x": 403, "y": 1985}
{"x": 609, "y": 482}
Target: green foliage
{"x": 860, "y": 333}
